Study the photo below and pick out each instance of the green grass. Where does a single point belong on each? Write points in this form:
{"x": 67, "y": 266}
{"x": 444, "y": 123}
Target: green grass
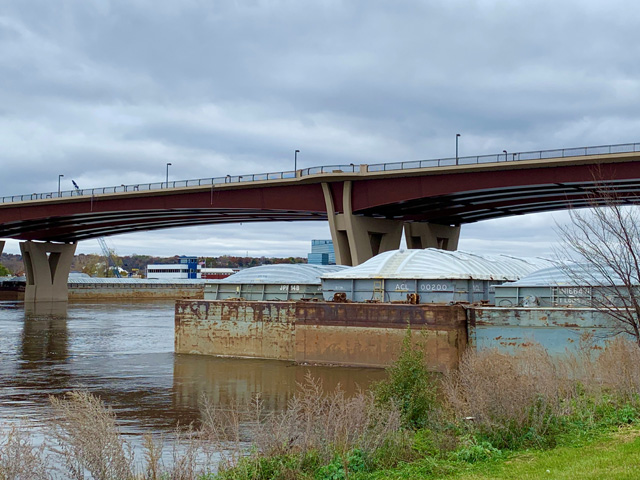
{"x": 614, "y": 455}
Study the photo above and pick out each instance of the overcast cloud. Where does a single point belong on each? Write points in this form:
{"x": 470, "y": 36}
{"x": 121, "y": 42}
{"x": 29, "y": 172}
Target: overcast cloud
{"x": 107, "y": 92}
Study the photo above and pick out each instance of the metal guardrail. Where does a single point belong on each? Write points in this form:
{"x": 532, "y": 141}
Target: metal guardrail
{"x": 350, "y": 168}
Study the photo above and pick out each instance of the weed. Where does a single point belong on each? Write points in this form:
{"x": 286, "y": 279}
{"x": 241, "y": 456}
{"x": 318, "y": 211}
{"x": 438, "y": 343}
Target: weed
{"x": 473, "y": 451}
{"x": 88, "y": 438}
{"x": 410, "y": 385}
{"x": 20, "y": 459}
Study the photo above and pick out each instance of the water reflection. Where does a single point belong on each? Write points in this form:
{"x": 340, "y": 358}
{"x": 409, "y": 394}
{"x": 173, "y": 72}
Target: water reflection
{"x": 124, "y": 354}
{"x": 225, "y": 381}
{"x": 44, "y": 339}
{"x": 58, "y": 309}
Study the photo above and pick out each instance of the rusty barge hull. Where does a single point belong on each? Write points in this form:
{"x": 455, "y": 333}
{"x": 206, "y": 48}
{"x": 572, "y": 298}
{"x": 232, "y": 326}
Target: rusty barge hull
{"x": 107, "y": 291}
{"x": 353, "y": 334}
{"x": 115, "y": 291}
{"x": 557, "y": 329}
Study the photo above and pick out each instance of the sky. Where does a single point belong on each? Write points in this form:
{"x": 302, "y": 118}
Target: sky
{"x": 107, "y": 92}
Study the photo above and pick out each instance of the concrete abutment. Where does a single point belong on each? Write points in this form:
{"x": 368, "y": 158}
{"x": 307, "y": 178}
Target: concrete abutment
{"x": 47, "y": 266}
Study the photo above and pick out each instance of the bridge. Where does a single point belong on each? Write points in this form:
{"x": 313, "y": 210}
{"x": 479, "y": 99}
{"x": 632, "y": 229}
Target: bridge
{"x": 368, "y": 206}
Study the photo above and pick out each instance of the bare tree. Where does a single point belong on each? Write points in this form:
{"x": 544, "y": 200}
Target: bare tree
{"x": 603, "y": 246}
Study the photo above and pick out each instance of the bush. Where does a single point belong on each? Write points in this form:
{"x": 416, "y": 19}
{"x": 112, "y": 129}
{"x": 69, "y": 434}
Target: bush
{"x": 474, "y": 451}
{"x": 409, "y": 386}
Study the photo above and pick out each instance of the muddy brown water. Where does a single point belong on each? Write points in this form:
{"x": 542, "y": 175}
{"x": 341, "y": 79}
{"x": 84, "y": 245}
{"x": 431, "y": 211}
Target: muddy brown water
{"x": 123, "y": 352}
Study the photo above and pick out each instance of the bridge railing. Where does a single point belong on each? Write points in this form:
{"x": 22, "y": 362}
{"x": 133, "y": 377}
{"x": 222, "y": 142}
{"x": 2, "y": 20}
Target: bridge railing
{"x": 350, "y": 168}
{"x": 507, "y": 157}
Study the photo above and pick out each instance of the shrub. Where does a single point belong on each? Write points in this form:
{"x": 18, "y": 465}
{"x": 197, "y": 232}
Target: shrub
{"x": 410, "y": 386}
{"x": 341, "y": 467}
{"x": 473, "y": 451}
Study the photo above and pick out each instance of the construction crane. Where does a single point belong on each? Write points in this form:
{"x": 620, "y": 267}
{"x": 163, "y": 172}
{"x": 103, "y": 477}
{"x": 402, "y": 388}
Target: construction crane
{"x": 110, "y": 257}
{"x": 109, "y": 253}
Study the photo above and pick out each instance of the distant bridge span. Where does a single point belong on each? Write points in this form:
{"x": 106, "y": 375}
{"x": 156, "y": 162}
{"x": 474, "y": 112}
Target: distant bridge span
{"x": 367, "y": 206}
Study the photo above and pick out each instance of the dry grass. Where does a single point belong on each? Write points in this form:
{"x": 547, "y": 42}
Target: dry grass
{"x": 20, "y": 459}
{"x": 617, "y": 368}
{"x": 88, "y": 438}
{"x": 325, "y": 423}
{"x": 512, "y": 396}
{"x": 506, "y": 394}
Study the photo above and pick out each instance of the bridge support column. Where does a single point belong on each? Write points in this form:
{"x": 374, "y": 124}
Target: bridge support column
{"x": 357, "y": 239}
{"x": 1, "y": 246}
{"x": 431, "y": 235}
{"x": 47, "y": 266}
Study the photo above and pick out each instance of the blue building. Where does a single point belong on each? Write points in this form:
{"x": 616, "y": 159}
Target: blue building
{"x": 192, "y": 265}
{"x": 322, "y": 253}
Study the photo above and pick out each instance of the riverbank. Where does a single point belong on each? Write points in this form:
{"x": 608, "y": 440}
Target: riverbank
{"x": 611, "y": 453}
{"x": 496, "y": 416}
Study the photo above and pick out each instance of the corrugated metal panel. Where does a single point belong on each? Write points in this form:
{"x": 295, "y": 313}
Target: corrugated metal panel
{"x": 396, "y": 290}
{"x": 568, "y": 285}
{"x": 289, "y": 274}
{"x": 262, "y": 291}
{"x": 136, "y": 281}
{"x": 432, "y": 263}
{"x": 570, "y": 274}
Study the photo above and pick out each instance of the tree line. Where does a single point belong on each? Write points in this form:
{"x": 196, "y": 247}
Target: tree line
{"x": 94, "y": 265}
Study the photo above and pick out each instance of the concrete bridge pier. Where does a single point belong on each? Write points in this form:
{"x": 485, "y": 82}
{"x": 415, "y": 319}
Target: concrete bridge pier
{"x": 431, "y": 235}
{"x": 47, "y": 266}
{"x": 1, "y": 246}
{"x": 355, "y": 238}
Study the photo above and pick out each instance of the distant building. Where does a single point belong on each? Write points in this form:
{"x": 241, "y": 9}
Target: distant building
{"x": 321, "y": 253}
{"x": 216, "y": 273}
{"x": 187, "y": 267}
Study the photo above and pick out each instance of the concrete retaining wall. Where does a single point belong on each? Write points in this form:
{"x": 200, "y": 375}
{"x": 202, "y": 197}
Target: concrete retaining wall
{"x": 317, "y": 332}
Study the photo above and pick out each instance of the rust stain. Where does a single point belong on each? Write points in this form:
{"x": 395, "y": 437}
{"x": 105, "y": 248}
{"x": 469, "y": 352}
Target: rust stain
{"x": 319, "y": 332}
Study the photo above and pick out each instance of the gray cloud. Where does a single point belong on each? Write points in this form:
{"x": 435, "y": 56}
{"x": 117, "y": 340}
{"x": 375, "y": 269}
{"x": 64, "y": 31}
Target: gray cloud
{"x": 108, "y": 92}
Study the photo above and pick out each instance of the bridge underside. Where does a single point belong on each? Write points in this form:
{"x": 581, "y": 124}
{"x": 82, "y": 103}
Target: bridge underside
{"x": 99, "y": 224}
{"x": 366, "y": 213}
{"x": 477, "y": 205}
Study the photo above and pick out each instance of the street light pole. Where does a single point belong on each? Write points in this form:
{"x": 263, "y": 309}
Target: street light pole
{"x": 505, "y": 155}
{"x": 457, "y": 137}
{"x": 295, "y": 160}
{"x": 168, "y": 174}
{"x": 59, "y": 177}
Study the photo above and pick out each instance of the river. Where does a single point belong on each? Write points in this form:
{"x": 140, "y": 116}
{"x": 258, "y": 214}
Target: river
{"x": 123, "y": 352}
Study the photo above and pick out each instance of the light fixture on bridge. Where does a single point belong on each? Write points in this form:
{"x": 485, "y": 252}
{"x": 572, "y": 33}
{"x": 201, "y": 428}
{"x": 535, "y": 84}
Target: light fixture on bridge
{"x": 168, "y": 174}
{"x": 59, "y": 177}
{"x": 295, "y": 160}
{"x": 457, "y": 137}
{"x": 505, "y": 155}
